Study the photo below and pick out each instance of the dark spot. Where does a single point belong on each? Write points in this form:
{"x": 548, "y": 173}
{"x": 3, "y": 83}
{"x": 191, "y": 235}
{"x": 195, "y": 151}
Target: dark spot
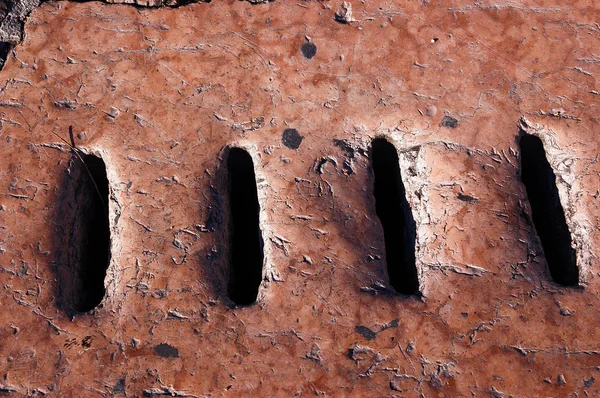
{"x": 365, "y": 332}
{"x": 588, "y": 383}
{"x": 393, "y": 323}
{"x": 119, "y": 388}
{"x": 166, "y": 351}
{"x": 308, "y": 50}
{"x": 449, "y": 121}
{"x": 291, "y": 138}
{"x": 467, "y": 198}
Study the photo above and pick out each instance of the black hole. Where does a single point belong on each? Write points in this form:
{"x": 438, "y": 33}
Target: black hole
{"x": 92, "y": 231}
{"x": 547, "y": 212}
{"x": 396, "y": 218}
{"x": 246, "y": 251}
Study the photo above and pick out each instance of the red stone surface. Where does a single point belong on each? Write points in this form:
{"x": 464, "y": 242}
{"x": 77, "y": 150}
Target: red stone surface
{"x": 160, "y": 93}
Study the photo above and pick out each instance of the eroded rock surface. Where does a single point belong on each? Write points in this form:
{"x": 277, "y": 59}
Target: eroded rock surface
{"x": 159, "y": 94}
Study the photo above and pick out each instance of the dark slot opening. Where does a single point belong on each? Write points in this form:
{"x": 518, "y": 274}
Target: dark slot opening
{"x": 396, "y": 218}
{"x": 246, "y": 250}
{"x": 547, "y": 212}
{"x": 92, "y": 226}
{"x": 5, "y": 49}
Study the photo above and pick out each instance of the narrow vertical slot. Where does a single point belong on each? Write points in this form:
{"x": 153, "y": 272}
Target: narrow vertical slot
{"x": 246, "y": 244}
{"x": 91, "y": 231}
{"x": 395, "y": 215}
{"x": 547, "y": 212}
{"x": 5, "y": 49}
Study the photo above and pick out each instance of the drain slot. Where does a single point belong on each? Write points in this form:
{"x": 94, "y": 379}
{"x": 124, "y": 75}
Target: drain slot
{"x": 395, "y": 215}
{"x": 547, "y": 212}
{"x": 90, "y": 237}
{"x": 246, "y": 243}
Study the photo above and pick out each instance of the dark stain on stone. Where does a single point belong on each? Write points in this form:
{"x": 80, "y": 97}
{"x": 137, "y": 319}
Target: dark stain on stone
{"x": 309, "y": 50}
{"x": 119, "y": 388}
{"x": 467, "y": 198}
{"x": 165, "y": 350}
{"x": 291, "y": 138}
{"x": 393, "y": 324}
{"x": 365, "y": 332}
{"x": 449, "y": 121}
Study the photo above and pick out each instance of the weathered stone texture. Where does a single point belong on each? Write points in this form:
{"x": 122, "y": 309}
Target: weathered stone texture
{"x": 159, "y": 93}
{"x": 12, "y": 15}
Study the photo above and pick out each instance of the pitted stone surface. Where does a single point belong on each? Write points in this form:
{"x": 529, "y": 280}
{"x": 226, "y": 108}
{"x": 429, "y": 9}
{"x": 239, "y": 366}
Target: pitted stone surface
{"x": 160, "y": 93}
